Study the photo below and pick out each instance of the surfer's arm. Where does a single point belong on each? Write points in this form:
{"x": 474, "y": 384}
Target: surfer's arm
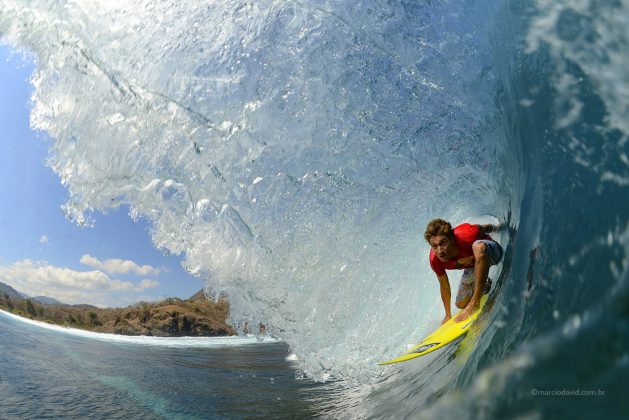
{"x": 481, "y": 269}
{"x": 484, "y": 229}
{"x": 444, "y": 286}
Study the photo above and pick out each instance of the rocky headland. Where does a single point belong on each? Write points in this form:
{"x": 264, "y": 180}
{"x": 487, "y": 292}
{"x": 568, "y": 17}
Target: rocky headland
{"x": 171, "y": 317}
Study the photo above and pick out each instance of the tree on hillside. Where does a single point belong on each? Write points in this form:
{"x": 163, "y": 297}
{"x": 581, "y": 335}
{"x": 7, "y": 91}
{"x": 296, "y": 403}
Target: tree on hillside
{"x": 29, "y": 308}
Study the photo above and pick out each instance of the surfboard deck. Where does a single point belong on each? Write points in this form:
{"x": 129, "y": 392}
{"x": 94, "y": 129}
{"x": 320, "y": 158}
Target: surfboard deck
{"x": 442, "y": 336}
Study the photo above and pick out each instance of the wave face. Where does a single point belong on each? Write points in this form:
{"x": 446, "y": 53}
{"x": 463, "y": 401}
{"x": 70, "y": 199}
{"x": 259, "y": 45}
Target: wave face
{"x": 294, "y": 152}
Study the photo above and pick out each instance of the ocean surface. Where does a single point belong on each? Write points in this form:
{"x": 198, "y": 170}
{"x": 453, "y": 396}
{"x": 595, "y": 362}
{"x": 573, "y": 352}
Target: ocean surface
{"x": 51, "y": 373}
{"x": 294, "y": 151}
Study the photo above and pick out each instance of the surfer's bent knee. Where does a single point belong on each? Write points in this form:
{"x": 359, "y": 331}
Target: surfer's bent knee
{"x": 492, "y": 250}
{"x": 480, "y": 249}
{"x": 462, "y": 303}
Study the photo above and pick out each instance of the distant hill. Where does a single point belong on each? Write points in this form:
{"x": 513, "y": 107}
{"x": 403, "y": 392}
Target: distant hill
{"x": 198, "y": 296}
{"x": 47, "y": 300}
{"x": 5, "y": 288}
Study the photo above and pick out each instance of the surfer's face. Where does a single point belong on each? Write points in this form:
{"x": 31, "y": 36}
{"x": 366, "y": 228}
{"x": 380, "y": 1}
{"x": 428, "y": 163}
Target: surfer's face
{"x": 443, "y": 247}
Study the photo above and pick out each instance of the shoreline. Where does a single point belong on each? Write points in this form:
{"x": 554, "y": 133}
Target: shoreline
{"x": 182, "y": 341}
{"x": 172, "y": 317}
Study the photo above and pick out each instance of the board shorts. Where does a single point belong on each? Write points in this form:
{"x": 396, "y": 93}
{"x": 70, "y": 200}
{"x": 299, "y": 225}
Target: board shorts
{"x": 466, "y": 287}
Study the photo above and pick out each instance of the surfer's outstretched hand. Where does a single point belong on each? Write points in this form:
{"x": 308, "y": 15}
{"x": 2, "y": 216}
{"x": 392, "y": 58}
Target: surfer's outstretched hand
{"x": 465, "y": 313}
{"x": 446, "y": 319}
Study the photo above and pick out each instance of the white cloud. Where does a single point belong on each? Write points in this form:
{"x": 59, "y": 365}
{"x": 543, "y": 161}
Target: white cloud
{"x": 116, "y": 265}
{"x": 44, "y": 239}
{"x": 37, "y": 278}
{"x": 148, "y": 284}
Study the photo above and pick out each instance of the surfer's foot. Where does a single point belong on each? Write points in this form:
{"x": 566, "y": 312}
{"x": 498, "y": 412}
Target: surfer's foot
{"x": 487, "y": 286}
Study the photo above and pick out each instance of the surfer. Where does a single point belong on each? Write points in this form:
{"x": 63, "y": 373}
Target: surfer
{"x": 466, "y": 247}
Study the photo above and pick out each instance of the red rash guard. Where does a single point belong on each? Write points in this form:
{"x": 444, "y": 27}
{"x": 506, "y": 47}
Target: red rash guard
{"x": 464, "y": 236}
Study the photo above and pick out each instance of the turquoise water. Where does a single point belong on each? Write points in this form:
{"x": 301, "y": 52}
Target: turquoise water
{"x": 49, "y": 374}
{"x": 294, "y": 152}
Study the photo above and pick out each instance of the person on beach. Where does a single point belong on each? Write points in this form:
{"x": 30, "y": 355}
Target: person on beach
{"x": 469, "y": 248}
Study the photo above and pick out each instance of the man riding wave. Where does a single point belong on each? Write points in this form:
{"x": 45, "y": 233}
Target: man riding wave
{"x": 466, "y": 247}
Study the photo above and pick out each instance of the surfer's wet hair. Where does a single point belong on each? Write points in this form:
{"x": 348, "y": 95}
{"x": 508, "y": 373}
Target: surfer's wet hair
{"x": 438, "y": 227}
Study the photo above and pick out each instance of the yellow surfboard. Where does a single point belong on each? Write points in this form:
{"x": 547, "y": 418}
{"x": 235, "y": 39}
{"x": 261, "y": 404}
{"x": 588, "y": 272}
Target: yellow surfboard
{"x": 445, "y": 334}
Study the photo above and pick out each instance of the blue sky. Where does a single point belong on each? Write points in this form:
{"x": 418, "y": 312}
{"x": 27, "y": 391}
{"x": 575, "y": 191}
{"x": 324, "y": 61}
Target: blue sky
{"x": 41, "y": 252}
